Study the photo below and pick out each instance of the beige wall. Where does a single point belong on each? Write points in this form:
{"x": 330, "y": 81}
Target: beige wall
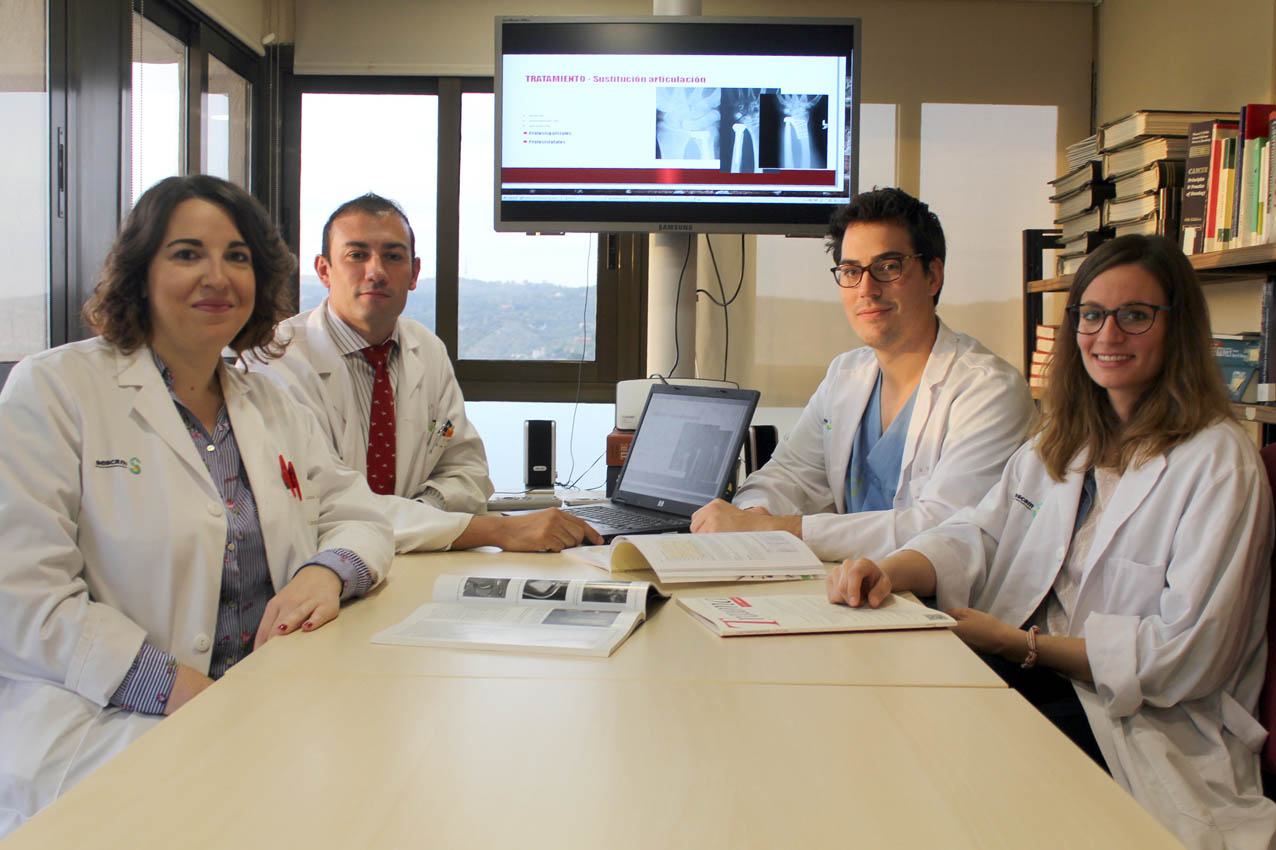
{"x": 1184, "y": 54}
{"x": 914, "y": 52}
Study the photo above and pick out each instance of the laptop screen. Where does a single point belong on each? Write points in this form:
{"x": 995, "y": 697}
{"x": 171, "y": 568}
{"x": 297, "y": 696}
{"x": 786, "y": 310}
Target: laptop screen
{"x": 686, "y": 446}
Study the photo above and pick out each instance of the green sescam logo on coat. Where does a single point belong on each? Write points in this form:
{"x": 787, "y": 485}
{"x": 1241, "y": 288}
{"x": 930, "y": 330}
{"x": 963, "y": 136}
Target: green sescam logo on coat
{"x": 133, "y": 465}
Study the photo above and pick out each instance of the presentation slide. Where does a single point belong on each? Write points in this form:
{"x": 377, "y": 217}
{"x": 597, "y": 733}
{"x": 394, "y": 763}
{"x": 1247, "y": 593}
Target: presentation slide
{"x": 706, "y": 125}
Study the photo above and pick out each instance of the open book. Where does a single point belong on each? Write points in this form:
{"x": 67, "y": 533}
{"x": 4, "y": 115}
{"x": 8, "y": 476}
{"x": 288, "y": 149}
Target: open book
{"x": 728, "y": 616}
{"x": 559, "y": 616}
{"x": 724, "y": 556}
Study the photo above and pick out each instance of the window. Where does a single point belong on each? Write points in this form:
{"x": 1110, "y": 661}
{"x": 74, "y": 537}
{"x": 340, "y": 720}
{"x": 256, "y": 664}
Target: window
{"x": 525, "y": 318}
{"x": 521, "y": 297}
{"x": 191, "y": 103}
{"x": 399, "y": 163}
{"x": 24, "y": 179}
{"x": 73, "y": 76}
{"x": 227, "y": 120}
{"x": 158, "y": 106}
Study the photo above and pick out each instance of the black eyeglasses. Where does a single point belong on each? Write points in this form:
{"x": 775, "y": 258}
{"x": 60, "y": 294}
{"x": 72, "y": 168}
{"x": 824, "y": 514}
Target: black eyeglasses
{"x": 884, "y": 270}
{"x": 1133, "y": 318}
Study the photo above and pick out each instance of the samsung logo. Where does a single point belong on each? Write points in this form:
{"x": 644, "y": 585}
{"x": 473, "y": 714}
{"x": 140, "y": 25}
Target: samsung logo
{"x": 686, "y": 228}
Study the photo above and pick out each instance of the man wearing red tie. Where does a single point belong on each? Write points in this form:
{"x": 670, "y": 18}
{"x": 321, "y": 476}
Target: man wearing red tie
{"x": 383, "y": 388}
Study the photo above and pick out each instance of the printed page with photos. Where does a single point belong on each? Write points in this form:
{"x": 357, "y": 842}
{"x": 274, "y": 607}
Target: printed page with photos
{"x": 721, "y": 556}
{"x": 556, "y": 616}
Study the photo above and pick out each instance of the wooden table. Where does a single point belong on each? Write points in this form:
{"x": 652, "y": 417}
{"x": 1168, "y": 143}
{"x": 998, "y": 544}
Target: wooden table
{"x": 681, "y": 739}
{"x": 324, "y": 761}
{"x": 669, "y": 646}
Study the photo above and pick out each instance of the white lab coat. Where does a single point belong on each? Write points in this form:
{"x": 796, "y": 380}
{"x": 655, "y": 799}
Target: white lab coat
{"x": 113, "y": 534}
{"x": 1173, "y": 608}
{"x": 456, "y": 466}
{"x": 972, "y": 412}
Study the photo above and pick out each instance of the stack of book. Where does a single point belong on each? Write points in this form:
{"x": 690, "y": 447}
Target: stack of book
{"x": 1144, "y": 155}
{"x": 1079, "y": 153}
{"x": 1078, "y": 198}
{"x": 1238, "y": 358}
{"x": 1149, "y": 201}
{"x": 1228, "y": 195}
{"x": 1041, "y": 356}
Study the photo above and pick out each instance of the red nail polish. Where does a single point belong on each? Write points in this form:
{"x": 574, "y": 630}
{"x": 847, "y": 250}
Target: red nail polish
{"x": 283, "y": 627}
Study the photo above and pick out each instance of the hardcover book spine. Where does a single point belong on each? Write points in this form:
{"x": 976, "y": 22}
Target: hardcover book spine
{"x": 1266, "y": 353}
{"x": 1258, "y": 232}
{"x": 1269, "y": 227}
{"x": 1223, "y": 130}
{"x": 1234, "y": 232}
{"x": 1211, "y": 202}
{"x": 1226, "y": 194}
{"x": 1196, "y": 187}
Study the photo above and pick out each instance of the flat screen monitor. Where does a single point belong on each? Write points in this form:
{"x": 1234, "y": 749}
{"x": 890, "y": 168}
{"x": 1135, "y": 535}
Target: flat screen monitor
{"x": 710, "y": 125}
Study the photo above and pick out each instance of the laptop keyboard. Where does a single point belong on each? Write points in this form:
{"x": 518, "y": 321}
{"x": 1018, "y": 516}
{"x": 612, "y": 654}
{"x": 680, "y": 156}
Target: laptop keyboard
{"x": 608, "y": 515}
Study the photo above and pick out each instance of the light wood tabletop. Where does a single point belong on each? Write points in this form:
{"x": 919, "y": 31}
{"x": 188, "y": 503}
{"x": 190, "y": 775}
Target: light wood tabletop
{"x": 669, "y": 646}
{"x": 680, "y": 739}
{"x": 341, "y": 761}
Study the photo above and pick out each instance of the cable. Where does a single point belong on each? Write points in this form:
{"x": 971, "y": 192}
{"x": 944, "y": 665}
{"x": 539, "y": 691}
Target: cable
{"x": 739, "y": 284}
{"x": 726, "y": 320}
{"x": 580, "y": 369}
{"x": 725, "y": 302}
{"x": 677, "y": 295}
{"x": 573, "y": 484}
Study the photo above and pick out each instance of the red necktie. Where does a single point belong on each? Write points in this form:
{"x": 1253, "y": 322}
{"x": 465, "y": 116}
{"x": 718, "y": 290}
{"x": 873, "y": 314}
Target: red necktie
{"x": 381, "y": 422}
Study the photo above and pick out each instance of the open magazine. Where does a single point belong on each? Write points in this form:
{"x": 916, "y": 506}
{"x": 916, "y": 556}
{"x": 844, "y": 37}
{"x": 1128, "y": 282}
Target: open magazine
{"x": 728, "y": 616}
{"x": 558, "y": 616}
{"x": 722, "y": 556}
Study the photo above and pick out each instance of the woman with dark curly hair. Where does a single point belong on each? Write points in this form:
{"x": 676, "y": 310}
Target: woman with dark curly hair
{"x": 163, "y": 513}
{"x": 1118, "y": 574}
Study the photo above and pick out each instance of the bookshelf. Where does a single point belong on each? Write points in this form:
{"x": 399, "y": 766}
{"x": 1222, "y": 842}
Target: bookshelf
{"x": 1256, "y": 263}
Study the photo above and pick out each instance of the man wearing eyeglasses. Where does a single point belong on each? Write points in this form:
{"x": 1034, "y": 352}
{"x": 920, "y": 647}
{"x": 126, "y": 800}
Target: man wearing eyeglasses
{"x": 903, "y": 431}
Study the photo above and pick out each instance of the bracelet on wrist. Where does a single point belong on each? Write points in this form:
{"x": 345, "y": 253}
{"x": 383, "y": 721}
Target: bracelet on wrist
{"x": 1030, "y": 660}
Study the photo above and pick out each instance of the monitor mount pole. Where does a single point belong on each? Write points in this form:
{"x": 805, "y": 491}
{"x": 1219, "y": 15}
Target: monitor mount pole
{"x": 671, "y": 309}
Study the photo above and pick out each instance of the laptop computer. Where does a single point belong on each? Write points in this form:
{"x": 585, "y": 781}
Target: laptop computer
{"x": 682, "y": 457}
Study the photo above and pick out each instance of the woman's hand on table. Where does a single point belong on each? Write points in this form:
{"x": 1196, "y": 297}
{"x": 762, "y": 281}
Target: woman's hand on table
{"x": 312, "y": 598}
{"x": 856, "y": 581}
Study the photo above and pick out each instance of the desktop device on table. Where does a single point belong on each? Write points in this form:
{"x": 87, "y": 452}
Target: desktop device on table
{"x": 683, "y": 456}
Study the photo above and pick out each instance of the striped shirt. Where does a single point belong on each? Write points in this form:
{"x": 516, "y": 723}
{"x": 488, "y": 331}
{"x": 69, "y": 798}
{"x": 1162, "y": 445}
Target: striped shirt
{"x": 246, "y": 584}
{"x": 362, "y": 373}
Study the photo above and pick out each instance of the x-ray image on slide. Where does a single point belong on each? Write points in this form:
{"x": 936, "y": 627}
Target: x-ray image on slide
{"x": 740, "y": 130}
{"x": 794, "y": 130}
{"x": 687, "y": 121}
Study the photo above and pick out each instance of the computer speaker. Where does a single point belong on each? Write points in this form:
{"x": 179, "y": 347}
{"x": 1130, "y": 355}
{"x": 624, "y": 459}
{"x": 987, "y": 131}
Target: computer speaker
{"x": 539, "y": 467}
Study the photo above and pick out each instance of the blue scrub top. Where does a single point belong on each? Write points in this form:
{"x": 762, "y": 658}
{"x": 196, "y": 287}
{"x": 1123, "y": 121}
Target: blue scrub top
{"x": 872, "y": 474}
